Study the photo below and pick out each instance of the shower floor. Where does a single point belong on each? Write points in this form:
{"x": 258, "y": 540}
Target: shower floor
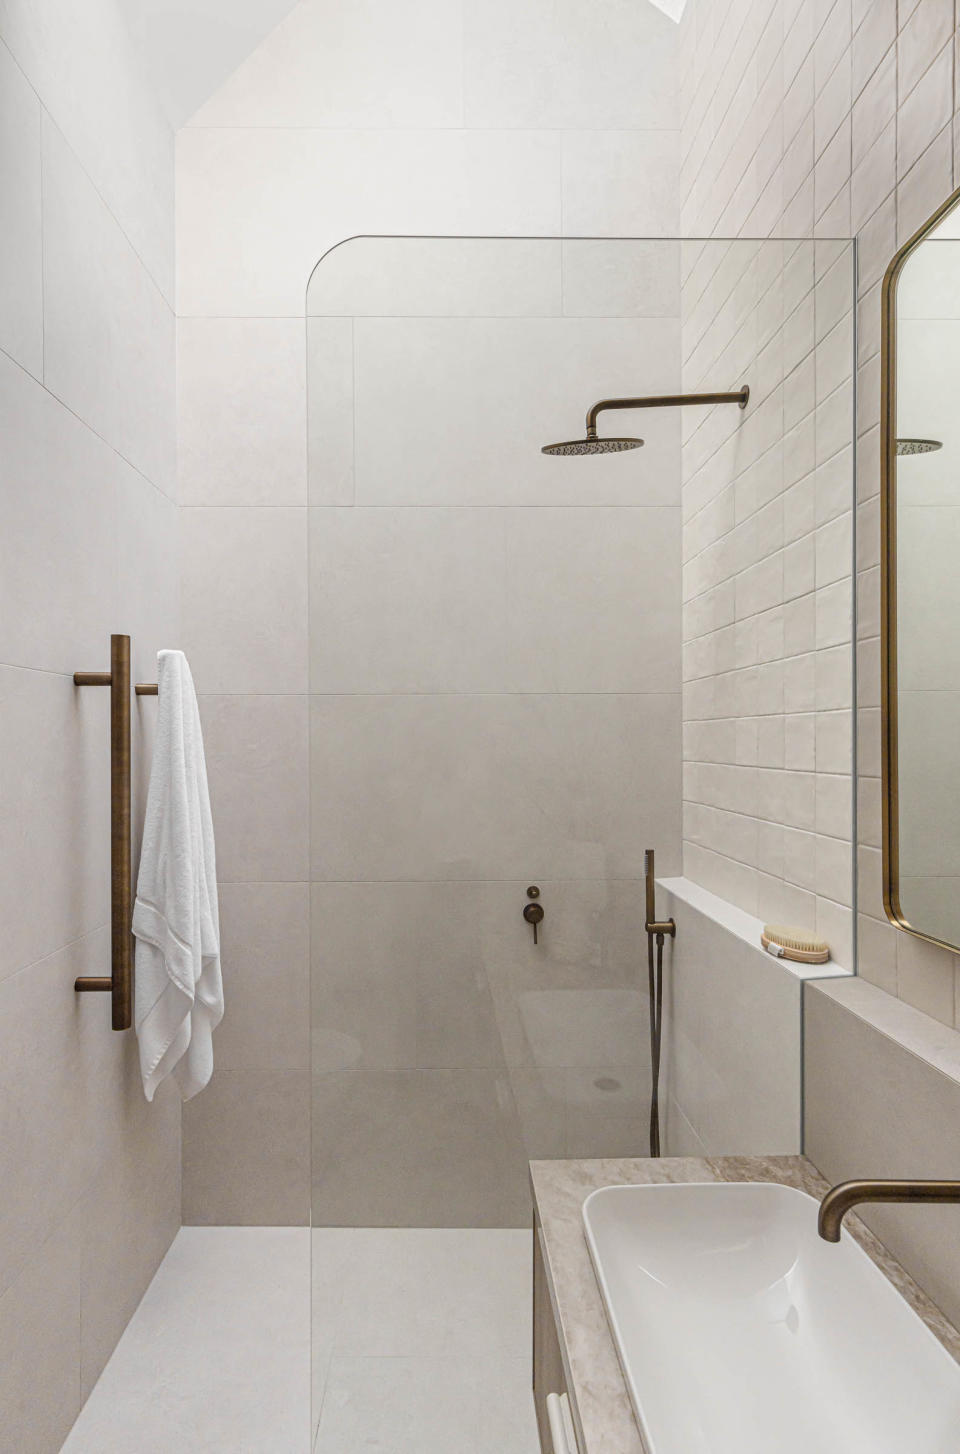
{"x": 421, "y": 1345}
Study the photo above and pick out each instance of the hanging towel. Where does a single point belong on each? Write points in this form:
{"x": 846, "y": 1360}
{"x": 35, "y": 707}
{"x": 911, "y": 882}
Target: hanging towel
{"x": 178, "y": 991}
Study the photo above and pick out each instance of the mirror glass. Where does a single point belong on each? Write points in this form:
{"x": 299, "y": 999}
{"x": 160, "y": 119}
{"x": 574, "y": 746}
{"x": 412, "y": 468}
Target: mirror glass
{"x": 922, "y": 559}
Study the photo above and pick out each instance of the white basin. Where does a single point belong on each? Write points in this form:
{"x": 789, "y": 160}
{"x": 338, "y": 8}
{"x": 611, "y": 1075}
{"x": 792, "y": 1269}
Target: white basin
{"x": 741, "y": 1331}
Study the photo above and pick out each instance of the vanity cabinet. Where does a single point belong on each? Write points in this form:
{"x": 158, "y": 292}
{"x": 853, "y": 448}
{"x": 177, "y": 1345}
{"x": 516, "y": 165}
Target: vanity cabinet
{"x": 550, "y": 1397}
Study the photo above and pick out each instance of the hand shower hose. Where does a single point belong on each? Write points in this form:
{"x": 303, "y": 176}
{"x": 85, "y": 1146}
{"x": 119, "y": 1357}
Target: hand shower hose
{"x": 655, "y": 979}
{"x": 656, "y": 929}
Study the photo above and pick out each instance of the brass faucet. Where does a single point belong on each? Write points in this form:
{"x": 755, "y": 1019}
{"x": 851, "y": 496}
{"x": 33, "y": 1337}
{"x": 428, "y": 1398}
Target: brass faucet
{"x": 840, "y": 1199}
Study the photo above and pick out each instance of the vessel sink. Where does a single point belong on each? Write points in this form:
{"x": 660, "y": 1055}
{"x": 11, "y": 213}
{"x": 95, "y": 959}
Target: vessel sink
{"x": 741, "y": 1331}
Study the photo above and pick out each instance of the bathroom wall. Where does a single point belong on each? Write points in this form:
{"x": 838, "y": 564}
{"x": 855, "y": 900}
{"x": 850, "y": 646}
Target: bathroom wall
{"x": 808, "y": 119}
{"x": 882, "y": 1099}
{"x": 768, "y": 670}
{"x": 433, "y": 118}
{"x": 90, "y": 1172}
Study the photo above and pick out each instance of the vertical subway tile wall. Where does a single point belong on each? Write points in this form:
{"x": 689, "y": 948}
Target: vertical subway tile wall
{"x": 768, "y": 554}
{"x": 821, "y": 120}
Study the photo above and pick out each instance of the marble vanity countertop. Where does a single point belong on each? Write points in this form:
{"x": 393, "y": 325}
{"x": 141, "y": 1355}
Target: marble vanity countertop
{"x": 598, "y": 1394}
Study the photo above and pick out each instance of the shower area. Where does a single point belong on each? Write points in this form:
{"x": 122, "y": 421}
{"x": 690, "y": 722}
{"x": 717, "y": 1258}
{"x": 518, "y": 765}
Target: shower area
{"x": 495, "y": 713}
{"x": 464, "y": 678}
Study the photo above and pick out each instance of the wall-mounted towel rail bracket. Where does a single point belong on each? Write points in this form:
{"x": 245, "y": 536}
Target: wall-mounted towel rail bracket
{"x": 120, "y": 981}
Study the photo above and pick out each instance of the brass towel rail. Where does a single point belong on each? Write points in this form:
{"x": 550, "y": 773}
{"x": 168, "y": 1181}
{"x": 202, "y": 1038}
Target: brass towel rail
{"x": 120, "y": 981}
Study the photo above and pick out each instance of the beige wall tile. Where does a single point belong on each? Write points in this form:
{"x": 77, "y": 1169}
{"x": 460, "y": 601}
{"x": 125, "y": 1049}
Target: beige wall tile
{"x": 880, "y": 1102}
{"x": 246, "y": 1150}
{"x": 369, "y": 1126}
{"x": 40, "y": 1349}
{"x": 244, "y": 599}
{"x": 124, "y": 1225}
{"x": 256, "y": 751}
{"x": 108, "y": 332}
{"x": 527, "y": 756}
{"x": 265, "y": 951}
{"x": 925, "y": 977}
{"x": 241, "y": 417}
{"x": 55, "y": 886}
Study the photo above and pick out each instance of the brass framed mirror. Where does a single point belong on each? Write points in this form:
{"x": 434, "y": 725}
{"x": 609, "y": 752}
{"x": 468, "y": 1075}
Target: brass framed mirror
{"x": 920, "y": 580}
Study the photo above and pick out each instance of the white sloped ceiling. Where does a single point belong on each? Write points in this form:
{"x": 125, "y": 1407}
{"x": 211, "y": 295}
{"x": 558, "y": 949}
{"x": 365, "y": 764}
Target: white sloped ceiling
{"x": 190, "y": 47}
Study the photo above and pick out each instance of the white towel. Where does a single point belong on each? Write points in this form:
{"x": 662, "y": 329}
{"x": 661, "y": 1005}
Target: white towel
{"x": 178, "y": 989}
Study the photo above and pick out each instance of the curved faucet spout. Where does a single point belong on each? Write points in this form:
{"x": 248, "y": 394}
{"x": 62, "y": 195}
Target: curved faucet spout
{"x": 841, "y": 1198}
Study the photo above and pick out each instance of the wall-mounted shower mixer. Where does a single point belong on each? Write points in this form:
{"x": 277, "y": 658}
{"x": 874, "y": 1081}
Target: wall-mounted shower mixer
{"x": 533, "y": 912}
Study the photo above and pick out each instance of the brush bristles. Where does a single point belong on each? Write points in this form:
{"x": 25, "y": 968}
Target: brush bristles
{"x": 788, "y": 942}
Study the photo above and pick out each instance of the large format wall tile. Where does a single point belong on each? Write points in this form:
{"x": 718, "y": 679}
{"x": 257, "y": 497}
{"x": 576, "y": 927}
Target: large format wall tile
{"x": 55, "y": 807}
{"x": 438, "y": 277}
{"x": 241, "y": 392}
{"x": 399, "y": 980}
{"x": 58, "y": 566}
{"x": 21, "y": 272}
{"x": 109, "y": 336}
{"x": 90, "y": 1174}
{"x": 525, "y": 600}
{"x": 370, "y": 1129}
{"x": 257, "y": 208}
{"x": 473, "y": 787}
{"x": 379, "y": 65}
{"x": 244, "y": 599}
{"x": 330, "y": 410}
{"x": 620, "y": 278}
{"x": 621, "y": 184}
{"x": 40, "y": 1349}
{"x": 246, "y": 1150}
{"x": 539, "y": 79}
{"x": 125, "y": 1223}
{"x": 77, "y": 1127}
{"x": 454, "y": 411}
{"x": 54, "y": 1133}
{"x": 732, "y": 1043}
{"x": 882, "y": 1099}
{"x": 265, "y": 949}
{"x": 81, "y": 64}
{"x": 256, "y": 750}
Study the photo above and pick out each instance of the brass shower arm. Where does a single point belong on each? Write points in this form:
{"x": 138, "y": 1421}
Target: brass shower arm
{"x": 662, "y": 401}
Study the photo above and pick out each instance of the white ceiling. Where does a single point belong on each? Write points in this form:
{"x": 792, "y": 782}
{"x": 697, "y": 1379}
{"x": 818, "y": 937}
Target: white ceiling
{"x": 191, "y": 47}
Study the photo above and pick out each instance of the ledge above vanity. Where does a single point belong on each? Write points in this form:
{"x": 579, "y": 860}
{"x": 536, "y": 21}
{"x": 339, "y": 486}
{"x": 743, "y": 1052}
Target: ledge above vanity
{"x": 572, "y": 1339}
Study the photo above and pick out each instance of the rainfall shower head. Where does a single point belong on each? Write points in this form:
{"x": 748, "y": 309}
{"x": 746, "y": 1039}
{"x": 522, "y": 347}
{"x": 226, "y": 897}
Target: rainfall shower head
{"x": 918, "y": 446}
{"x": 591, "y": 446}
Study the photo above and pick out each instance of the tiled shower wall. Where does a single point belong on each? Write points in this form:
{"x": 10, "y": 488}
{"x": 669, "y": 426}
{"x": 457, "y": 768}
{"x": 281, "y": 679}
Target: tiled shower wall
{"x": 430, "y": 118}
{"x": 90, "y": 1173}
{"x": 803, "y": 118}
{"x": 767, "y": 581}
{"x": 494, "y": 644}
